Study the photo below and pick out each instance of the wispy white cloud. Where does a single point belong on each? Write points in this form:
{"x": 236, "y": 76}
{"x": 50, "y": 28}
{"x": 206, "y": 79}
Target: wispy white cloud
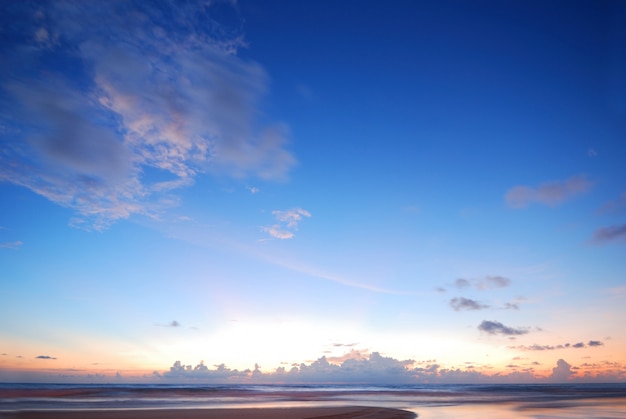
{"x": 11, "y": 245}
{"x": 277, "y": 232}
{"x": 177, "y": 100}
{"x": 486, "y": 283}
{"x": 550, "y": 193}
{"x": 617, "y": 206}
{"x": 287, "y": 223}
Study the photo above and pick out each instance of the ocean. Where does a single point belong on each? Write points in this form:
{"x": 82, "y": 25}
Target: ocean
{"x": 539, "y": 401}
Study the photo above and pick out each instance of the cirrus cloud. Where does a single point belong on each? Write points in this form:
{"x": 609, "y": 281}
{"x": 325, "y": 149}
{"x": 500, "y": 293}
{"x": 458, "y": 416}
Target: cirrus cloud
{"x": 11, "y": 245}
{"x": 114, "y": 128}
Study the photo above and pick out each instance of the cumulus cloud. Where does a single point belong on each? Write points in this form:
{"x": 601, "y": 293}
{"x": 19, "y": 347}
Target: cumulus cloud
{"x": 287, "y": 223}
{"x": 461, "y": 303}
{"x": 44, "y": 357}
{"x": 353, "y": 354}
{"x": 370, "y": 368}
{"x": 611, "y": 233}
{"x": 551, "y": 193}
{"x": 497, "y": 328}
{"x": 367, "y": 368}
{"x": 175, "y": 102}
{"x": 562, "y": 371}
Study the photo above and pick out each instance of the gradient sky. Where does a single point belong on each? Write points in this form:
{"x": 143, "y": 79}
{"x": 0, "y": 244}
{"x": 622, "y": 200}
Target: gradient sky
{"x": 401, "y": 191}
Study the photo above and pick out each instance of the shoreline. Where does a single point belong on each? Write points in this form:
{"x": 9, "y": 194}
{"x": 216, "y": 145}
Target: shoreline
{"x": 347, "y": 412}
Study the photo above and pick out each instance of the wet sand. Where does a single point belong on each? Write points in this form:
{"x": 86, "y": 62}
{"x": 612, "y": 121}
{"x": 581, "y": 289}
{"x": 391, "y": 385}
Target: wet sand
{"x": 239, "y": 413}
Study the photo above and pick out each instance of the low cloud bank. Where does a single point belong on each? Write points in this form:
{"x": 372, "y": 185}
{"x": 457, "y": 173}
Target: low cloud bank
{"x": 372, "y": 369}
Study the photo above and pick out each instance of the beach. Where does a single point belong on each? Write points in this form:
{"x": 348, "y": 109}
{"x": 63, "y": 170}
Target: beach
{"x": 235, "y": 413}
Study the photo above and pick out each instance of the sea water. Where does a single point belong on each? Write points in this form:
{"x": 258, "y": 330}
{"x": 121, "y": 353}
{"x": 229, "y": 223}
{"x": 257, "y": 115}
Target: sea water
{"x": 540, "y": 401}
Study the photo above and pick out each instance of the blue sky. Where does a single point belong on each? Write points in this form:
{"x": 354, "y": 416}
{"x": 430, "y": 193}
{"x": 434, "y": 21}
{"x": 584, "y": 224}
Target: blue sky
{"x": 275, "y": 182}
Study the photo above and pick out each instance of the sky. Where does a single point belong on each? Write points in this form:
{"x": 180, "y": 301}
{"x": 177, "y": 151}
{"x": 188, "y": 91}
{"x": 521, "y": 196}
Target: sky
{"x": 313, "y": 191}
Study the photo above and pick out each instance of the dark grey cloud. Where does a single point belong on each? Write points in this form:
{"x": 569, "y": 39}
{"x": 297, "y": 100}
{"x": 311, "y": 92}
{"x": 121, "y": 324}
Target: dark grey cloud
{"x": 497, "y": 328}
{"x": 44, "y": 357}
{"x": 511, "y": 306}
{"x": 595, "y": 343}
{"x": 551, "y": 193}
{"x": 461, "y": 303}
{"x": 174, "y": 323}
{"x": 611, "y": 233}
{"x": 578, "y": 345}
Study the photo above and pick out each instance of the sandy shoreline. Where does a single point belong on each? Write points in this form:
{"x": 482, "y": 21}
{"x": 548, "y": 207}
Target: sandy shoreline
{"x": 238, "y": 413}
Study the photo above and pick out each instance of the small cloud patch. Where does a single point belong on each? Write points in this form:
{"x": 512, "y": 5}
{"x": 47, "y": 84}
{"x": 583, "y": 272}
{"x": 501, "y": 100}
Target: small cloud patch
{"x": 579, "y": 345}
{"x": 287, "y": 223}
{"x": 11, "y": 245}
{"x": 461, "y": 303}
{"x": 497, "y": 328}
{"x": 550, "y": 193}
{"x": 609, "y": 234}
{"x": 486, "y": 283}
